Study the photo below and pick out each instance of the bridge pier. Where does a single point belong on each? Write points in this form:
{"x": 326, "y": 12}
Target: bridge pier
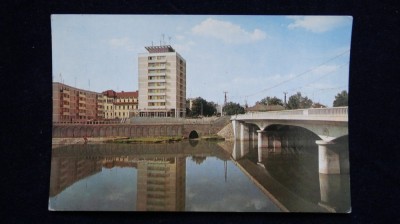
{"x": 262, "y": 139}
{"x": 244, "y": 132}
{"x": 328, "y": 157}
{"x": 332, "y": 190}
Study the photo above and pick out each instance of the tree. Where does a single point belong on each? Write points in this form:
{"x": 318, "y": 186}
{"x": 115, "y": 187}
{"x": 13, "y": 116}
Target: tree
{"x": 341, "y": 99}
{"x": 233, "y": 108}
{"x": 271, "y": 101}
{"x": 200, "y": 106}
{"x": 297, "y": 101}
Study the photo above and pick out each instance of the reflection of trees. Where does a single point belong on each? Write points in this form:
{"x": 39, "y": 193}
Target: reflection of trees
{"x": 199, "y": 159}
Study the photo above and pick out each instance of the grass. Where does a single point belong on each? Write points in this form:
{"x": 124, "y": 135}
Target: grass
{"x": 161, "y": 139}
{"x": 212, "y": 138}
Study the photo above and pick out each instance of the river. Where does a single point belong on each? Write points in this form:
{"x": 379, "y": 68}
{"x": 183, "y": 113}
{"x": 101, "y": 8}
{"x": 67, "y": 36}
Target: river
{"x": 193, "y": 176}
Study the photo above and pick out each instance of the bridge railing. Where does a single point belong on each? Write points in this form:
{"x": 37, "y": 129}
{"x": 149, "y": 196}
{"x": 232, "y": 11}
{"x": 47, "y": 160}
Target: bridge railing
{"x": 314, "y": 112}
{"x": 334, "y": 111}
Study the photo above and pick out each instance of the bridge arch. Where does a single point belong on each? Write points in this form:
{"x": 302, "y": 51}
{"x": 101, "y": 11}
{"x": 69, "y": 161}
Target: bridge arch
{"x": 193, "y": 134}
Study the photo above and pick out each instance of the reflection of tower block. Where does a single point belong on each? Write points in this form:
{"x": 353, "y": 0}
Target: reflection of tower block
{"x": 161, "y": 184}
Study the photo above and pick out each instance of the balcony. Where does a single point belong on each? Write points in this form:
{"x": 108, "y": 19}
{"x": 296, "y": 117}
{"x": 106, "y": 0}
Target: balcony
{"x": 82, "y": 113}
{"x": 82, "y": 95}
{"x": 157, "y": 81}
{"x": 65, "y": 113}
{"x": 82, "y": 108}
{"x": 65, "y": 91}
{"x": 156, "y": 107}
{"x": 156, "y": 94}
{"x": 158, "y": 60}
{"x": 156, "y": 74}
{"x": 66, "y": 106}
{"x": 157, "y": 67}
{"x": 156, "y": 101}
{"x": 157, "y": 87}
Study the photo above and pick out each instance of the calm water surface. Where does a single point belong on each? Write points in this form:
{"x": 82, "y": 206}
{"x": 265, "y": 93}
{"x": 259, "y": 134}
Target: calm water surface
{"x": 192, "y": 176}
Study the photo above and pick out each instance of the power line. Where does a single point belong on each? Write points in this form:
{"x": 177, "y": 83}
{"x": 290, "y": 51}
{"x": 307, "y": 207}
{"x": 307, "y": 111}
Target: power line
{"x": 319, "y": 78}
{"x": 297, "y": 76}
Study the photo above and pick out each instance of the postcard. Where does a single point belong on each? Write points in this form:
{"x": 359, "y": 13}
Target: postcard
{"x": 217, "y": 113}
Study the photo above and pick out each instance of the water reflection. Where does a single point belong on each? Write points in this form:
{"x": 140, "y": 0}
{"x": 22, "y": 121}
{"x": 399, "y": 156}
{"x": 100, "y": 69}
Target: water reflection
{"x": 195, "y": 176}
{"x": 160, "y": 177}
{"x": 288, "y": 172}
{"x": 161, "y": 184}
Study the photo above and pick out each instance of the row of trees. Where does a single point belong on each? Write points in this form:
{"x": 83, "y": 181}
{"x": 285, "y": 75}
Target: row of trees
{"x": 297, "y": 101}
{"x": 201, "y": 107}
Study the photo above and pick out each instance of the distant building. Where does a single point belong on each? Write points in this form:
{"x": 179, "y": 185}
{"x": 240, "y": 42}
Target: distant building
{"x": 264, "y": 108}
{"x": 120, "y": 104}
{"x": 71, "y": 104}
{"x": 162, "y": 83}
{"x": 318, "y": 105}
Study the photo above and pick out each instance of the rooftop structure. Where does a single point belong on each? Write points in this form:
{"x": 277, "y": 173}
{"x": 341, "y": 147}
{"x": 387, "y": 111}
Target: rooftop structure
{"x": 160, "y": 49}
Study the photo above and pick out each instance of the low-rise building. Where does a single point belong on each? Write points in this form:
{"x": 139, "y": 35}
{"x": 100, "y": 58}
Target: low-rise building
{"x": 120, "y": 104}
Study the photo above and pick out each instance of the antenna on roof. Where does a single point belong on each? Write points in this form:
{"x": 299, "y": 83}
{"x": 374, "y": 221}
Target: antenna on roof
{"x": 163, "y": 39}
{"x": 169, "y": 38}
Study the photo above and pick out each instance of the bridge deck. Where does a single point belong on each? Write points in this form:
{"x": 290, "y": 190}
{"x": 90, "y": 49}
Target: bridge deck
{"x": 314, "y": 114}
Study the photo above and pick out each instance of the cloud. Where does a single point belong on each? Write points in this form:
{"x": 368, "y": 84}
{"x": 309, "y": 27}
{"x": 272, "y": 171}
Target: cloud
{"x": 123, "y": 42}
{"x": 317, "y": 24}
{"x": 227, "y": 32}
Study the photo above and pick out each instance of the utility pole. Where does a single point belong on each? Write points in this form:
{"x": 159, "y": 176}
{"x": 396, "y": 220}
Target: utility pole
{"x": 285, "y": 98}
{"x": 225, "y": 101}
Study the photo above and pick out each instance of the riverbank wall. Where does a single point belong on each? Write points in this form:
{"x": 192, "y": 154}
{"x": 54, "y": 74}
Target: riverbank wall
{"x": 138, "y": 130}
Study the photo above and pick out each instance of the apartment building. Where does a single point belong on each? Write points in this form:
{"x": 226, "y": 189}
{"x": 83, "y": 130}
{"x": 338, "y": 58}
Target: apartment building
{"x": 71, "y": 104}
{"x": 162, "y": 82}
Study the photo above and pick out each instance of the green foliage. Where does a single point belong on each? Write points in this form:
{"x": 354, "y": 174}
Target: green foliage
{"x": 271, "y": 101}
{"x": 233, "y": 108}
{"x": 341, "y": 99}
{"x": 297, "y": 101}
{"x": 202, "y": 107}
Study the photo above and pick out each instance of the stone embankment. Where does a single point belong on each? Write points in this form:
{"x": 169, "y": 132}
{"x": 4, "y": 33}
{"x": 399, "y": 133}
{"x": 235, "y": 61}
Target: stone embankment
{"x": 227, "y": 132}
{"x": 58, "y": 142}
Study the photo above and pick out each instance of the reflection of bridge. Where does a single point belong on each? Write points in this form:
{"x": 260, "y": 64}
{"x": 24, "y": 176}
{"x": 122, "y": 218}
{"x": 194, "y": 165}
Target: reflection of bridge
{"x": 328, "y": 123}
{"x": 334, "y": 190}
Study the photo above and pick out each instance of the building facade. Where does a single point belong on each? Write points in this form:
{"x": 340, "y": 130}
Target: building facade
{"x": 75, "y": 105}
{"x": 162, "y": 83}
{"x": 120, "y": 104}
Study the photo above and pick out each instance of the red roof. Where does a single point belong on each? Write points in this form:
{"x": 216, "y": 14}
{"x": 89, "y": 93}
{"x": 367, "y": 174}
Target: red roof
{"x": 110, "y": 93}
{"x": 128, "y": 94}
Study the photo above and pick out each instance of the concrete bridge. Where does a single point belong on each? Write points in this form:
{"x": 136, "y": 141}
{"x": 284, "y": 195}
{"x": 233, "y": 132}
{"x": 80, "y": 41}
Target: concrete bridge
{"x": 329, "y": 124}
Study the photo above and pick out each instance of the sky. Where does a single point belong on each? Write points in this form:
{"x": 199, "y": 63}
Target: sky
{"x": 249, "y": 57}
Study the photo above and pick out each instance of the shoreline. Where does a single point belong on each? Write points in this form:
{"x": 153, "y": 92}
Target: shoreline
{"x": 59, "y": 142}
